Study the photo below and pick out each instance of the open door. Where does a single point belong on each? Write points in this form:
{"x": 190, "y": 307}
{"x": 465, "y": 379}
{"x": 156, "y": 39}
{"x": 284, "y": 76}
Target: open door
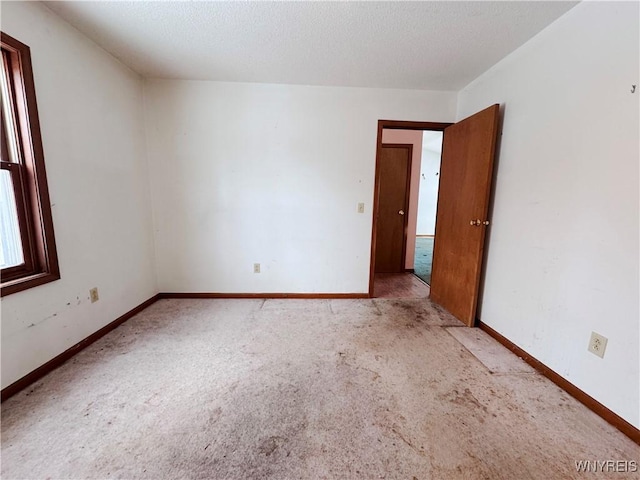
{"x": 461, "y": 220}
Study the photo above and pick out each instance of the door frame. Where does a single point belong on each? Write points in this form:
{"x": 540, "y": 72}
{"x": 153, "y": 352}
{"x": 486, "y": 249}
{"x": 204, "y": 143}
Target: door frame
{"x": 407, "y": 190}
{"x": 391, "y": 125}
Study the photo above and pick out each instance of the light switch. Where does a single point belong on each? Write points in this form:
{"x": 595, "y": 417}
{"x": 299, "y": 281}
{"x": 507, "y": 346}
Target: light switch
{"x": 361, "y": 208}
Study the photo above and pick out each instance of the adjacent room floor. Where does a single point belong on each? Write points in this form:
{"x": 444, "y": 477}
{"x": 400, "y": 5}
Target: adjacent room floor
{"x": 423, "y": 258}
{"x": 251, "y": 389}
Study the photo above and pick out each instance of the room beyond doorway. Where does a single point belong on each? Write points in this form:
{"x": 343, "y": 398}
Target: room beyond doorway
{"x": 431, "y": 153}
{"x": 423, "y": 141}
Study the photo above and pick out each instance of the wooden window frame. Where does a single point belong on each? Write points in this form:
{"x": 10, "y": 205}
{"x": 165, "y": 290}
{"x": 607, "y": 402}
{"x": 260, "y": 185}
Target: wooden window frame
{"x": 28, "y": 176}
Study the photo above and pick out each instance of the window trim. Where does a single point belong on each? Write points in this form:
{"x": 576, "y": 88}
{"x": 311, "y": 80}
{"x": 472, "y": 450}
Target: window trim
{"x": 30, "y": 179}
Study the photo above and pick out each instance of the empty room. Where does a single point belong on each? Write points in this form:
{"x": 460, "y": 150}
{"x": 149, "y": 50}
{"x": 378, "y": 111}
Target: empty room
{"x": 246, "y": 240}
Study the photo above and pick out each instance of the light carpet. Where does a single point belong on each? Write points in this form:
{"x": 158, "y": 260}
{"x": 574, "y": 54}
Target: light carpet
{"x": 249, "y": 389}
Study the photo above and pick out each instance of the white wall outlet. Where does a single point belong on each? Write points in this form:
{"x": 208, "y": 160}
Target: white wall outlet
{"x": 256, "y": 268}
{"x": 597, "y": 344}
{"x": 93, "y": 295}
{"x": 361, "y": 208}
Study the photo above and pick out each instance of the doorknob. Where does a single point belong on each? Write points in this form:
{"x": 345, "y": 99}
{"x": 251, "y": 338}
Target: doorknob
{"x": 400, "y": 212}
{"x": 477, "y": 223}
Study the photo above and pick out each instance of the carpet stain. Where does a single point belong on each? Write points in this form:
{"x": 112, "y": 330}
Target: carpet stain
{"x": 465, "y": 398}
{"x": 418, "y": 450}
{"x": 214, "y": 415}
{"x": 269, "y": 445}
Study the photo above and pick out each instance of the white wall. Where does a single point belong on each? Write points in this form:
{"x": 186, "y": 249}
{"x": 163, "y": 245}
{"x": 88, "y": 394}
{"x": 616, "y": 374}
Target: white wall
{"x": 270, "y": 174}
{"x": 429, "y": 182}
{"x": 413, "y": 137}
{"x": 563, "y": 249}
{"x": 92, "y": 127}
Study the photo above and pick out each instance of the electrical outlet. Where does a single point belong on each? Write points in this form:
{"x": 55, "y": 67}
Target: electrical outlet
{"x": 597, "y": 344}
{"x": 93, "y": 295}
{"x": 361, "y": 208}
{"x": 256, "y": 268}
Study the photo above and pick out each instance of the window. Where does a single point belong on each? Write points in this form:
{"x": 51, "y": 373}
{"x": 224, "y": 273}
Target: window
{"x": 27, "y": 247}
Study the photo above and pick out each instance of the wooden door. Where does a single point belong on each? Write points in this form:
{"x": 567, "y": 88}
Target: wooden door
{"x": 394, "y": 179}
{"x": 461, "y": 220}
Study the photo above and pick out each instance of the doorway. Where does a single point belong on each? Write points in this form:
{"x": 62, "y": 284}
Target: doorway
{"x": 468, "y": 152}
{"x": 403, "y": 215}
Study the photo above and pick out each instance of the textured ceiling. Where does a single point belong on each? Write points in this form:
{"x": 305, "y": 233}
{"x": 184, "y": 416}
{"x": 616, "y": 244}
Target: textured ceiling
{"x": 417, "y": 45}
